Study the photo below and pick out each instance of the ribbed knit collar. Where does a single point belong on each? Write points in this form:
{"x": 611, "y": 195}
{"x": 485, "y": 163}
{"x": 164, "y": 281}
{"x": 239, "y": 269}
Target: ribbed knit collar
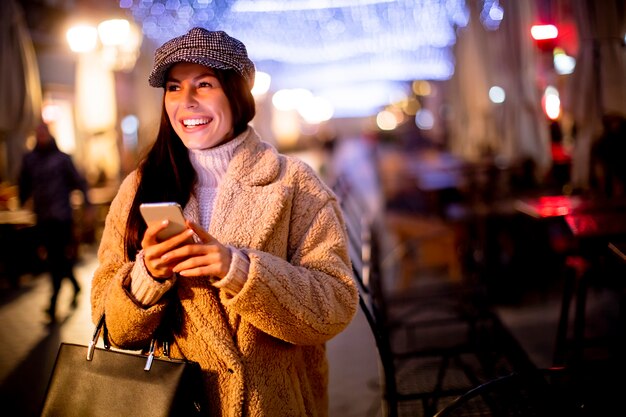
{"x": 211, "y": 164}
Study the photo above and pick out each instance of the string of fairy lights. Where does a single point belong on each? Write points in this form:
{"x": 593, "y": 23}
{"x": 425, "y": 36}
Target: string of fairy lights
{"x": 376, "y": 39}
{"x": 359, "y": 48}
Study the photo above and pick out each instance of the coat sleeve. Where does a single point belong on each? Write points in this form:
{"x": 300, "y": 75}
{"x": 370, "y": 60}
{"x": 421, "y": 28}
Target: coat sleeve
{"x": 130, "y": 325}
{"x": 309, "y": 298}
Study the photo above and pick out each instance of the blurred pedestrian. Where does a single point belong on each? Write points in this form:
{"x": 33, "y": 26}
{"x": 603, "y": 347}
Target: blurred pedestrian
{"x": 607, "y": 156}
{"x": 267, "y": 281}
{"x": 49, "y": 176}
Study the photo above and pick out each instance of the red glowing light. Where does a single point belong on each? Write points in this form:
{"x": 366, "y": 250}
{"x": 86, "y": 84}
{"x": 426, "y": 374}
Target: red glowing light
{"x": 543, "y": 32}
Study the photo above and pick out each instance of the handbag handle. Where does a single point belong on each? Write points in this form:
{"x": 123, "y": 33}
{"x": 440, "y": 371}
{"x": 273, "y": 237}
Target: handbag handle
{"x": 107, "y": 345}
{"x": 94, "y": 338}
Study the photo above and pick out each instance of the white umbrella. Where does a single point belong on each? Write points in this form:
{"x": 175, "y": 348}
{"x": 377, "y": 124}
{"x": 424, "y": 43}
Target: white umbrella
{"x": 599, "y": 80}
{"x": 514, "y": 129}
{"x": 20, "y": 86}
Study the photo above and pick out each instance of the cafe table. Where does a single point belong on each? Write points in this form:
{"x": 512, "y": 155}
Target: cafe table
{"x": 12, "y": 224}
{"x": 593, "y": 224}
{"x": 17, "y": 218}
{"x": 593, "y": 232}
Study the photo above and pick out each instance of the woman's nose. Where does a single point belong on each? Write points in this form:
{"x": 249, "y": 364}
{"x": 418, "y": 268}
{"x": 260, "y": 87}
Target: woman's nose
{"x": 190, "y": 99}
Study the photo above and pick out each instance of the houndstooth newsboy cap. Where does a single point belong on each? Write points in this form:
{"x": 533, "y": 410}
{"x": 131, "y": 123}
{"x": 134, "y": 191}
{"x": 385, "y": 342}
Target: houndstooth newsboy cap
{"x": 214, "y": 49}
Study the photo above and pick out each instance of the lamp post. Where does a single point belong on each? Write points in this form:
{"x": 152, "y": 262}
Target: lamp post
{"x": 111, "y": 46}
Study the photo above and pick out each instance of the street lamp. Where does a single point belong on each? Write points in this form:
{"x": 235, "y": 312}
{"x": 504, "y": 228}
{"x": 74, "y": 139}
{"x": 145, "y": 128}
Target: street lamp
{"x": 116, "y": 41}
{"x": 103, "y": 49}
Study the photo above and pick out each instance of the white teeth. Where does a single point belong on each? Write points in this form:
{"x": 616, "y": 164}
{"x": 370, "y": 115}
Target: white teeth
{"x": 195, "y": 122}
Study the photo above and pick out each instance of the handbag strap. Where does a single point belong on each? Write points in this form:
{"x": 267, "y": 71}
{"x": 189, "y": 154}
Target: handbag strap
{"x": 101, "y": 325}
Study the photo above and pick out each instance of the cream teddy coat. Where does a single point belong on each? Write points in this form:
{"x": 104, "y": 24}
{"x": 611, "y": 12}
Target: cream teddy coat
{"x": 263, "y": 350}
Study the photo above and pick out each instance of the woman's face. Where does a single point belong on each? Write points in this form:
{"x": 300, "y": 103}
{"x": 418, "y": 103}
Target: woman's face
{"x": 197, "y": 107}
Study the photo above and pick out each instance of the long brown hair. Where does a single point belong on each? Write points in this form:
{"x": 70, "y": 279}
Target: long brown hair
{"x": 165, "y": 172}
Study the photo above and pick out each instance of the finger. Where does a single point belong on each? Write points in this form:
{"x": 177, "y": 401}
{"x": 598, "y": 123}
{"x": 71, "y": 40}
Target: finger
{"x": 205, "y": 271}
{"x": 204, "y": 236}
{"x": 158, "y": 267}
{"x": 180, "y": 240}
{"x": 213, "y": 270}
{"x": 160, "y": 258}
{"x": 150, "y": 235}
{"x": 215, "y": 262}
{"x": 201, "y": 260}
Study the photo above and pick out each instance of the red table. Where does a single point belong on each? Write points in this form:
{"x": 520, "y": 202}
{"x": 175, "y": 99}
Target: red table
{"x": 593, "y": 233}
{"x": 593, "y": 224}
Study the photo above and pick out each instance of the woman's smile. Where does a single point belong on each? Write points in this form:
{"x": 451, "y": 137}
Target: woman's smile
{"x": 190, "y": 123}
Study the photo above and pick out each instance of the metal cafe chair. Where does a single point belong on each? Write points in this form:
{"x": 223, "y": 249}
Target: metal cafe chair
{"x": 416, "y": 375}
{"x": 518, "y": 394}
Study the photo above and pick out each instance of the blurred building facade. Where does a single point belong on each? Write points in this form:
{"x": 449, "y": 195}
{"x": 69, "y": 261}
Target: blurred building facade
{"x": 465, "y": 75}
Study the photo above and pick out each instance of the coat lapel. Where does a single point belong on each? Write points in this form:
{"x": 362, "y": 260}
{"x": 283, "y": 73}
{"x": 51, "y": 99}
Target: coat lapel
{"x": 245, "y": 216}
{"x": 250, "y": 201}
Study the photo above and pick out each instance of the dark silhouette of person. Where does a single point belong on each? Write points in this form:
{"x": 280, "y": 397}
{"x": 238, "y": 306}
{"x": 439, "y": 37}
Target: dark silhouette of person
{"x": 49, "y": 176}
{"x": 561, "y": 159}
{"x": 607, "y": 155}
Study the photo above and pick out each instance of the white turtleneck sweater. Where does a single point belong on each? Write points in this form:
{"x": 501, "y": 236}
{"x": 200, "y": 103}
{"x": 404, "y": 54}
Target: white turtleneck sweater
{"x": 210, "y": 165}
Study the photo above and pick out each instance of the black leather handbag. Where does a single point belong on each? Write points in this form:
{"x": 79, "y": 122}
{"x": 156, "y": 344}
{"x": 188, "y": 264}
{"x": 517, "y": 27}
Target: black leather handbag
{"x": 89, "y": 381}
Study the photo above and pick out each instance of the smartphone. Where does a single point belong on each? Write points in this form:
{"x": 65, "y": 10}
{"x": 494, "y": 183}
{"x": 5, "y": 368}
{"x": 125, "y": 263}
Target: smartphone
{"x": 158, "y": 212}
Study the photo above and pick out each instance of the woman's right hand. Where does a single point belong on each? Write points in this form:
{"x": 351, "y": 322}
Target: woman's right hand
{"x": 154, "y": 250}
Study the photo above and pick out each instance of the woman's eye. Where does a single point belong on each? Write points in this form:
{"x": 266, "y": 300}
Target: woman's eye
{"x": 172, "y": 87}
{"x": 205, "y": 84}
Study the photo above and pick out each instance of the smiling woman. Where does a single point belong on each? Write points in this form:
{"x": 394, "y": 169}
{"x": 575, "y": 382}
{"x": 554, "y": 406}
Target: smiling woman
{"x": 267, "y": 280}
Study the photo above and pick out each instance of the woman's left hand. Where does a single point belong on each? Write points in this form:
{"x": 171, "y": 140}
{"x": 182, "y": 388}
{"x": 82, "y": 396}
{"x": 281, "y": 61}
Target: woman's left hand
{"x": 209, "y": 258}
